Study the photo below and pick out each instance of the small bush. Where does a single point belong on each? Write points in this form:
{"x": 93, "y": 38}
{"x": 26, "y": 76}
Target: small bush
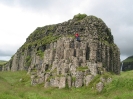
{"x": 40, "y": 53}
{"x": 73, "y": 79}
{"x": 79, "y": 16}
{"x": 28, "y": 60}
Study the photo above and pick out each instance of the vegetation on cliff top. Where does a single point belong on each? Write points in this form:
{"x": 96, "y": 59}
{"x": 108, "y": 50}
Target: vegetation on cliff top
{"x": 47, "y": 34}
{"x": 79, "y": 16}
{"x": 42, "y": 36}
{"x": 129, "y": 59}
{"x": 40, "y": 42}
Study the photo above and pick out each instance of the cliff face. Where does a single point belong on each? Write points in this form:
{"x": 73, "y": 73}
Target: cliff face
{"x": 52, "y": 55}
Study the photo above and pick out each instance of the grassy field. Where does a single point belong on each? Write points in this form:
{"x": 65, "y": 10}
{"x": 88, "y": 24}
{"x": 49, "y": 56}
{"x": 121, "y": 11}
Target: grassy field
{"x": 2, "y": 62}
{"x": 12, "y": 88}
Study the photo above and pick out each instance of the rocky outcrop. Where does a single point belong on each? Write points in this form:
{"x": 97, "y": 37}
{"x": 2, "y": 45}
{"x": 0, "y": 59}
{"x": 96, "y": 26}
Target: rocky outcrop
{"x": 68, "y": 61}
{"x": 52, "y": 55}
{"x": 0, "y": 68}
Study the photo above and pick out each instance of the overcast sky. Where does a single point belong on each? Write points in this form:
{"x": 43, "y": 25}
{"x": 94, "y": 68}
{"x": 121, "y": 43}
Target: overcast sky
{"x": 19, "y": 18}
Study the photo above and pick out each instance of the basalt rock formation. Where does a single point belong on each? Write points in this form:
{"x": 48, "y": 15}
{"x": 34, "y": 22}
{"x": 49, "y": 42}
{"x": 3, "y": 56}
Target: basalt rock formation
{"x": 52, "y": 55}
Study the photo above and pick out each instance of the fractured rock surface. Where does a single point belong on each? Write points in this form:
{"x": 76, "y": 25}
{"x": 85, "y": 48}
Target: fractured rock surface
{"x": 71, "y": 65}
{"x": 65, "y": 61}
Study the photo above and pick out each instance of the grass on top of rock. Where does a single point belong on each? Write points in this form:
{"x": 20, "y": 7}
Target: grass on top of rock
{"x": 41, "y": 42}
{"x": 81, "y": 68}
{"x": 79, "y": 16}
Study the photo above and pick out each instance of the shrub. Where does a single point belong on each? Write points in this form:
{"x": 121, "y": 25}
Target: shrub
{"x": 79, "y": 16}
{"x": 40, "y": 53}
{"x": 28, "y": 61}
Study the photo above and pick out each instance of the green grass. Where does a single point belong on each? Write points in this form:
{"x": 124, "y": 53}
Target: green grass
{"x": 80, "y": 16}
{"x": 129, "y": 59}
{"x": 81, "y": 68}
{"x": 12, "y": 88}
{"x": 2, "y": 62}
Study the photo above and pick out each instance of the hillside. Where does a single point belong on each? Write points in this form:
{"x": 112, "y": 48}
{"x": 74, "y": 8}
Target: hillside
{"x": 2, "y": 62}
{"x": 127, "y": 64}
{"x": 129, "y": 59}
{"x": 53, "y": 57}
{"x": 16, "y": 85}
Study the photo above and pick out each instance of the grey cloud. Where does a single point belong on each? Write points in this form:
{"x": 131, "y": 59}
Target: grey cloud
{"x": 7, "y": 50}
{"x": 6, "y": 58}
{"x": 124, "y": 42}
{"x": 62, "y": 7}
{"x": 36, "y": 4}
{"x": 6, "y": 53}
{"x": 7, "y": 2}
{"x": 32, "y": 5}
{"x": 117, "y": 14}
